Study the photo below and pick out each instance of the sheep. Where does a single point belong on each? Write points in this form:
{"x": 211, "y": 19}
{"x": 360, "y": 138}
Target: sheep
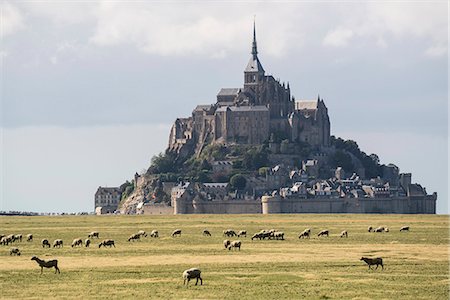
{"x": 379, "y": 229}
{"x": 229, "y": 233}
{"x": 369, "y": 229}
{"x": 344, "y": 234}
{"x": 242, "y": 233}
{"x": 11, "y": 238}
{"x": 278, "y": 235}
{"x": 226, "y": 243}
{"x": 154, "y": 233}
{"x": 6, "y": 240}
{"x": 235, "y": 245}
{"x": 206, "y": 232}
{"x": 77, "y": 242}
{"x": 191, "y": 274}
{"x": 105, "y": 243}
{"x": 45, "y": 243}
{"x": 87, "y": 242}
{"x": 47, "y": 264}
{"x": 29, "y": 237}
{"x": 93, "y": 234}
{"x": 14, "y": 251}
{"x": 58, "y": 243}
{"x": 404, "y": 228}
{"x": 256, "y": 236}
{"x": 176, "y": 232}
{"x": 142, "y": 233}
{"x": 134, "y": 237}
{"x": 386, "y": 229}
{"x": 304, "y": 234}
{"x": 18, "y": 237}
{"x": 323, "y": 232}
{"x": 373, "y": 261}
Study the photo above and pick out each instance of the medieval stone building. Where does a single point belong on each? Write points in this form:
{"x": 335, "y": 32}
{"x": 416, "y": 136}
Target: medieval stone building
{"x": 262, "y": 108}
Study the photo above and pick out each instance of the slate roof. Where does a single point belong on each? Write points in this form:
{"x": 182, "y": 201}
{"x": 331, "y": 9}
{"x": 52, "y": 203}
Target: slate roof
{"x": 243, "y": 108}
{"x": 229, "y": 92}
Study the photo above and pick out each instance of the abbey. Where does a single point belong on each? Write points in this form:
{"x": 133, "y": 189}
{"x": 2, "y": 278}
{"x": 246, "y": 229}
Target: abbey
{"x": 260, "y": 110}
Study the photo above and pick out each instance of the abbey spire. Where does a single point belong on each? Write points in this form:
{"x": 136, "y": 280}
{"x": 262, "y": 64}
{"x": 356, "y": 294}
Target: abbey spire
{"x": 254, "y": 47}
{"x": 254, "y": 72}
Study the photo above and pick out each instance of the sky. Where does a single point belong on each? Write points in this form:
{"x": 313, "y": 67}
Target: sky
{"x": 89, "y": 89}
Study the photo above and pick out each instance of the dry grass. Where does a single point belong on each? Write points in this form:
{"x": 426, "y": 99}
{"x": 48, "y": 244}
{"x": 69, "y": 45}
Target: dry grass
{"x": 417, "y": 262}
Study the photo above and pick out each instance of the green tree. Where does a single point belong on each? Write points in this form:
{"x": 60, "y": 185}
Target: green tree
{"x": 238, "y": 182}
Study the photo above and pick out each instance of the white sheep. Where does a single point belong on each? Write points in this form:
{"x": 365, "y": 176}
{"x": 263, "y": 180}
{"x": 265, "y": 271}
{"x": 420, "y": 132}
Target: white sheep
{"x": 154, "y": 233}
{"x": 93, "y": 234}
{"x": 142, "y": 233}
{"x": 14, "y": 251}
{"x": 45, "y": 243}
{"x": 77, "y": 242}
{"x": 176, "y": 232}
{"x": 105, "y": 243}
{"x": 344, "y": 234}
{"x": 242, "y": 233}
{"x": 235, "y": 245}
{"x": 29, "y": 237}
{"x": 404, "y": 228}
{"x": 226, "y": 243}
{"x": 191, "y": 274}
{"x": 58, "y": 243}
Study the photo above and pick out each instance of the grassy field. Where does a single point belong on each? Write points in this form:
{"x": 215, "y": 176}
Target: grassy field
{"x": 416, "y": 262}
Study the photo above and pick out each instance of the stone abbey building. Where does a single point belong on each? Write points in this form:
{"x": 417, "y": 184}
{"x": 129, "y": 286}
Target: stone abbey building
{"x": 262, "y": 108}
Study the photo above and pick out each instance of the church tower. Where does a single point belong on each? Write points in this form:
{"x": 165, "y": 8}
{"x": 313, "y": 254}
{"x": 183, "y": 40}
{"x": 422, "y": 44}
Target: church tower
{"x": 254, "y": 72}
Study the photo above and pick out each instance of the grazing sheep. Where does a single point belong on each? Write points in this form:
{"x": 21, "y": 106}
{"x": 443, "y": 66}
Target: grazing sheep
{"x": 14, "y": 251}
{"x": 404, "y": 228}
{"x": 370, "y": 229}
{"x": 87, "y": 242}
{"x": 386, "y": 229}
{"x": 373, "y": 261}
{"x": 226, "y": 243}
{"x": 154, "y": 233}
{"x": 93, "y": 234}
{"x": 229, "y": 233}
{"x": 242, "y": 233}
{"x": 176, "y": 232}
{"x": 77, "y": 242}
{"x": 256, "y": 236}
{"x": 105, "y": 243}
{"x": 134, "y": 237}
{"x": 323, "y": 232}
{"x": 45, "y": 243}
{"x": 304, "y": 234}
{"x": 191, "y": 274}
{"x": 206, "y": 232}
{"x": 235, "y": 245}
{"x": 278, "y": 235}
{"x": 11, "y": 238}
{"x": 29, "y": 237}
{"x": 58, "y": 243}
{"x": 6, "y": 240}
{"x": 344, "y": 234}
{"x": 47, "y": 264}
{"x": 18, "y": 237}
{"x": 379, "y": 229}
{"x": 142, "y": 233}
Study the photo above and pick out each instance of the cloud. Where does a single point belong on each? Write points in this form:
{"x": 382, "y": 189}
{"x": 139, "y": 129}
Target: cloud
{"x": 384, "y": 22}
{"x": 11, "y": 19}
{"x": 338, "y": 37}
{"x": 436, "y": 51}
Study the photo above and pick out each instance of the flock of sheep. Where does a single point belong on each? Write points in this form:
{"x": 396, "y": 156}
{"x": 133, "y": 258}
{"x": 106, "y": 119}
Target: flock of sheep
{"x": 193, "y": 273}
